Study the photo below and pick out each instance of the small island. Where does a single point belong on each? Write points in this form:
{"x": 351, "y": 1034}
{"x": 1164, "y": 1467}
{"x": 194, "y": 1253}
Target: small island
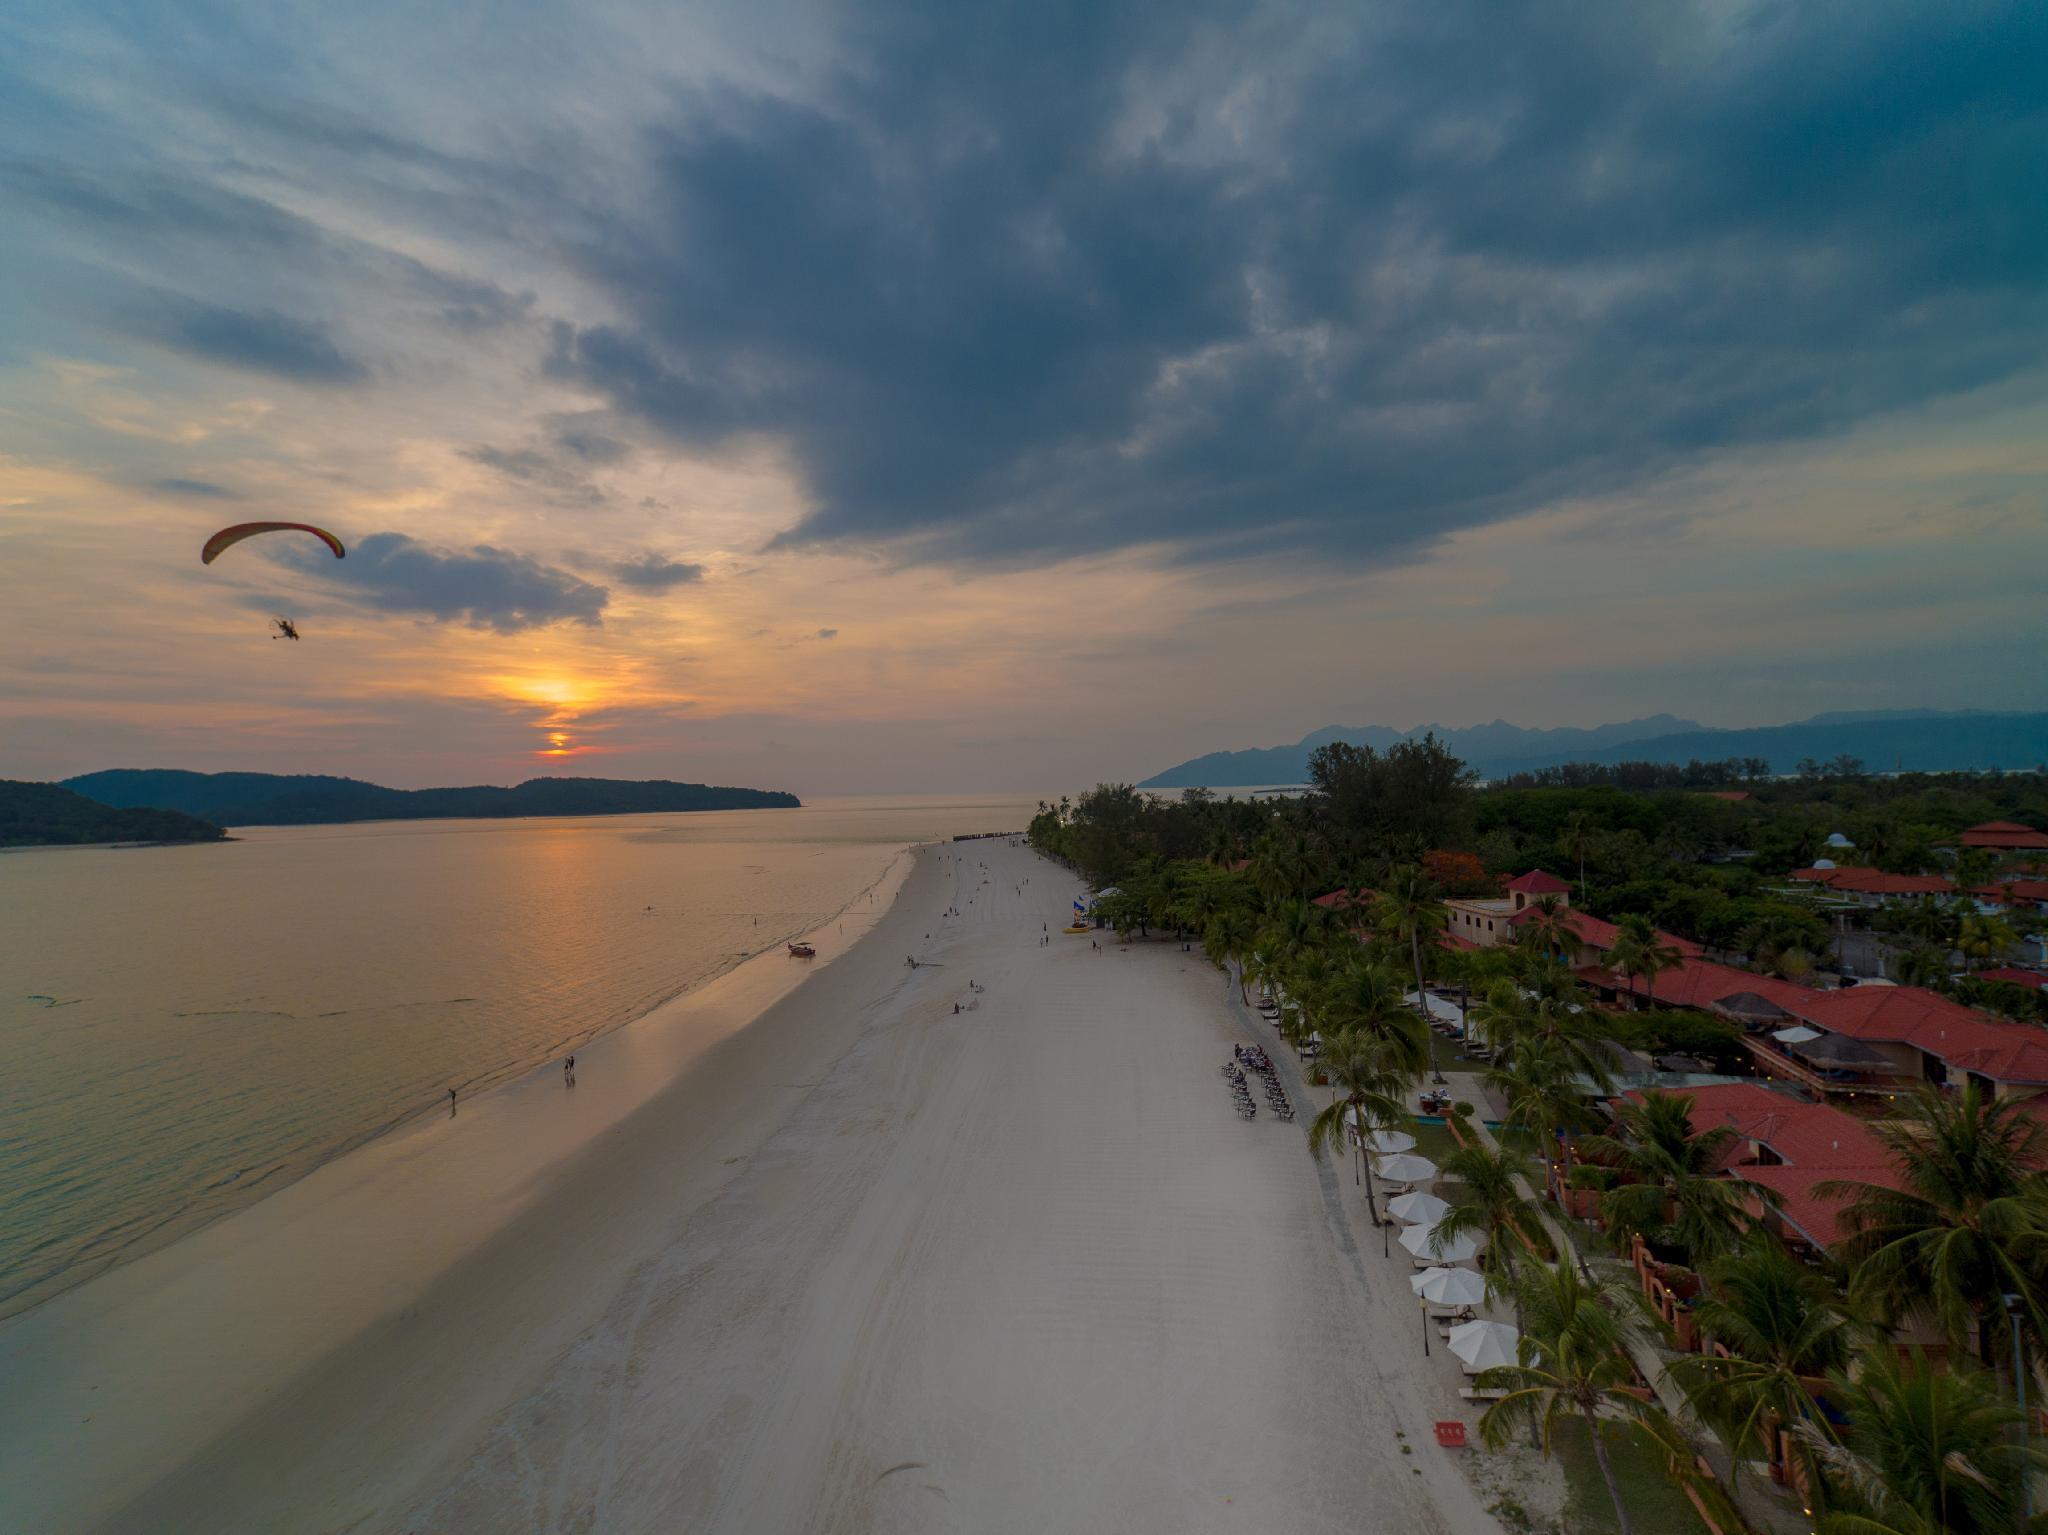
{"x": 278, "y": 799}
{"x": 46, "y": 814}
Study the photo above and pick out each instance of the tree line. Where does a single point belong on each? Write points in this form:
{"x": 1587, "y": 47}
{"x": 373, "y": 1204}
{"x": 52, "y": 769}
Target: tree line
{"x": 1959, "y": 1247}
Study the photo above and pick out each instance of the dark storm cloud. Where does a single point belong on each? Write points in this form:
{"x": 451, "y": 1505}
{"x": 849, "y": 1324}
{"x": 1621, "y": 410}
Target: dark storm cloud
{"x": 259, "y": 341}
{"x": 655, "y": 573}
{"x": 1254, "y": 279}
{"x": 484, "y": 587}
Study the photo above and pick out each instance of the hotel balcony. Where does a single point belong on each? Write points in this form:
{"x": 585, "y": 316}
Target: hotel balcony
{"x": 1876, "y": 1076}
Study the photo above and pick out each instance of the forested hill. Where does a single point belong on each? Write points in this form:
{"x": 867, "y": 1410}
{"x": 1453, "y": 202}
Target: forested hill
{"x": 36, "y": 814}
{"x": 272, "y": 799}
{"x": 1913, "y": 740}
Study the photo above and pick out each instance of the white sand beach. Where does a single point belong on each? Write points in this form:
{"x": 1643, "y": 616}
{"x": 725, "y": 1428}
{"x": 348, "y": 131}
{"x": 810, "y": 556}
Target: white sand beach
{"x": 860, "y": 1263}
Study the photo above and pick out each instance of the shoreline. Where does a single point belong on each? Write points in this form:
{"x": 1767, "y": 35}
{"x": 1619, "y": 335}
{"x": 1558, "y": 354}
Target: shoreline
{"x": 352, "y": 1245}
{"x": 180, "y": 1223}
{"x": 974, "y": 1243}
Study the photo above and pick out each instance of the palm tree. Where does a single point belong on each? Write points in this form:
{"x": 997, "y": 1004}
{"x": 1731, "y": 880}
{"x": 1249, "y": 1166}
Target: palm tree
{"x": 1546, "y": 1100}
{"x": 1679, "y": 1196}
{"x": 1539, "y": 1014}
{"x": 1228, "y": 939}
{"x": 1783, "y": 1326}
{"x": 1983, "y": 939}
{"x": 1487, "y": 1201}
{"x": 1967, "y": 1225}
{"x": 1788, "y": 964}
{"x": 1407, "y": 909}
{"x": 1928, "y": 1451}
{"x": 1921, "y": 967}
{"x": 1576, "y": 841}
{"x": 1366, "y": 999}
{"x": 1640, "y": 950}
{"x": 1308, "y": 974}
{"x": 1548, "y": 928}
{"x": 1366, "y": 1089}
{"x": 1572, "y": 1363}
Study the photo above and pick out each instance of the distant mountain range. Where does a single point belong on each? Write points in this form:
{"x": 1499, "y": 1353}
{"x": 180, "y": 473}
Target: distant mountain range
{"x": 274, "y": 799}
{"x": 41, "y": 814}
{"x": 1913, "y": 740}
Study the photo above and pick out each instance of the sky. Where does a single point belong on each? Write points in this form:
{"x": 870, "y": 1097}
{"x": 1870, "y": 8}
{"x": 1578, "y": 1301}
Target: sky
{"x": 922, "y": 397}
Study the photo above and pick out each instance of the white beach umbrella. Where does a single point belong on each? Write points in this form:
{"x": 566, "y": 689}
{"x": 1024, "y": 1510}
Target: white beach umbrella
{"x": 1450, "y": 1287}
{"x": 1484, "y": 1345}
{"x": 1418, "y": 1209}
{"x": 1386, "y": 1142}
{"x": 1421, "y": 1241}
{"x": 1404, "y": 1167}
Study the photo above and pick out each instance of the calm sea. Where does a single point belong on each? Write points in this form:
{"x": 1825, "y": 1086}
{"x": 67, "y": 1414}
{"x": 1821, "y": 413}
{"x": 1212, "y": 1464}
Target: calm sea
{"x": 187, "y": 1029}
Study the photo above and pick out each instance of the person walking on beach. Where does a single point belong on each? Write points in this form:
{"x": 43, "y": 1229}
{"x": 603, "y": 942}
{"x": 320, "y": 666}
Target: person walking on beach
{"x": 569, "y": 1071}
{"x": 451, "y": 1100}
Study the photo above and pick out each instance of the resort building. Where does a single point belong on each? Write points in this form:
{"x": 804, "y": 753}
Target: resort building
{"x": 2012, "y": 975}
{"x": 1491, "y": 923}
{"x": 2014, "y": 894}
{"x": 1872, "y": 887}
{"x": 1864, "y": 1043}
{"x": 2005, "y": 837}
{"x": 1788, "y": 1145}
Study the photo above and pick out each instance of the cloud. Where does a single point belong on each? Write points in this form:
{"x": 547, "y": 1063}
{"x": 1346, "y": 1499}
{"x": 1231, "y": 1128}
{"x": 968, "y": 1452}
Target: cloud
{"x": 1253, "y": 282}
{"x": 559, "y": 466}
{"x": 485, "y": 587}
{"x": 202, "y": 489}
{"x": 655, "y": 573}
{"x": 260, "y": 341}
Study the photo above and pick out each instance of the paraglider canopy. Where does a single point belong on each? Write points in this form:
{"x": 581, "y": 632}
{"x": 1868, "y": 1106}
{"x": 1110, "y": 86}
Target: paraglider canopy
{"x": 226, "y": 538}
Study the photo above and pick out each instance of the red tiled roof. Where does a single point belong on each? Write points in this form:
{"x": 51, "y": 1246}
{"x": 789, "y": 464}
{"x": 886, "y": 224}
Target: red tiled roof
{"x": 1961, "y": 1036}
{"x": 2003, "y": 834}
{"x": 2012, "y": 975}
{"x": 1807, "y": 1134}
{"x": 1800, "y": 1207}
{"x": 1344, "y": 900}
{"x": 1595, "y": 933}
{"x": 1450, "y": 940}
{"x": 1733, "y": 796}
{"x": 1864, "y": 881}
{"x": 2014, "y": 890}
{"x": 1537, "y": 882}
{"x": 1701, "y": 982}
{"x": 1817, "y": 1143}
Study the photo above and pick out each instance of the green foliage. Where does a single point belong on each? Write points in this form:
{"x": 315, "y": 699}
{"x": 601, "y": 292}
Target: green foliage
{"x": 1674, "y": 1194}
{"x": 1665, "y": 1031}
{"x": 1968, "y": 1226}
{"x": 32, "y": 814}
{"x": 1395, "y": 804}
{"x": 1929, "y": 1450}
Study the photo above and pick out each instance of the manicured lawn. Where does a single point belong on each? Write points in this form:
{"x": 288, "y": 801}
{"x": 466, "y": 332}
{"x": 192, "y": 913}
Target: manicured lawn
{"x": 1433, "y": 1141}
{"x": 1655, "y": 1501}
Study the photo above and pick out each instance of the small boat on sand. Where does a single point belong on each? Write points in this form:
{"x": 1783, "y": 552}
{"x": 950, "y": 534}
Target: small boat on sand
{"x": 802, "y": 951}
